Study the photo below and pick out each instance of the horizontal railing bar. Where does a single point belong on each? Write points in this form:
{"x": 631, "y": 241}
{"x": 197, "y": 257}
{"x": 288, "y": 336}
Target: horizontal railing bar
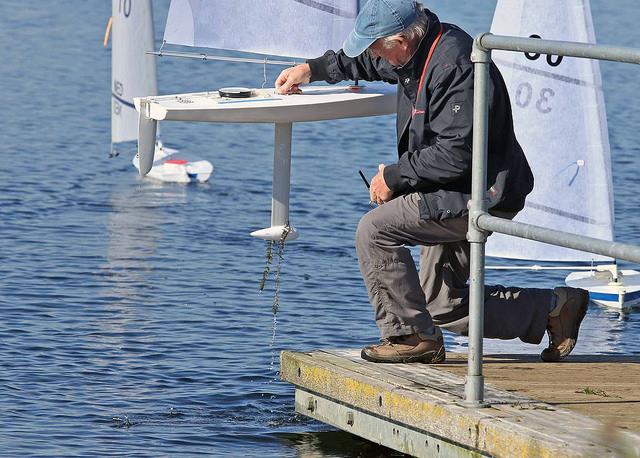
{"x": 203, "y": 56}
{"x": 565, "y": 239}
{"x": 560, "y": 48}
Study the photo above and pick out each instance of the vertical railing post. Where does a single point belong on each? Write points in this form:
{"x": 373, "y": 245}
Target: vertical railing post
{"x": 474, "y": 386}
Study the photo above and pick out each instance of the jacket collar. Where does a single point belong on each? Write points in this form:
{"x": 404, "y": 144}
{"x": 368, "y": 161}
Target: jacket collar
{"x": 416, "y": 63}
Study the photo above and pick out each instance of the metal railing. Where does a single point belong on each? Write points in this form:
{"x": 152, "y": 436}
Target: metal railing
{"x": 481, "y": 222}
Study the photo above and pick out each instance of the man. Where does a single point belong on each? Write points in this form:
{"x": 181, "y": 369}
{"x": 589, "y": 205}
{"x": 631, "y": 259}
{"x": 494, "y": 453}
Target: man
{"x": 423, "y": 196}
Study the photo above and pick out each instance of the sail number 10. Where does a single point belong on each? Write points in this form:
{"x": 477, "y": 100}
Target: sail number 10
{"x": 124, "y": 7}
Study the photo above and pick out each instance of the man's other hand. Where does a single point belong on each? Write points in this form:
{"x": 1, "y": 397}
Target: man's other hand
{"x": 289, "y": 79}
{"x": 379, "y": 192}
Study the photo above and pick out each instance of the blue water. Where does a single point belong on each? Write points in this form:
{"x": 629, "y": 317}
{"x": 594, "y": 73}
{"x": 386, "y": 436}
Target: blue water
{"x": 131, "y": 318}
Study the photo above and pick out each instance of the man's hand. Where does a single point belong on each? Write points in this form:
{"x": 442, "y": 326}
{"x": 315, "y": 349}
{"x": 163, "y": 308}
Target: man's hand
{"x": 379, "y": 192}
{"x": 289, "y": 79}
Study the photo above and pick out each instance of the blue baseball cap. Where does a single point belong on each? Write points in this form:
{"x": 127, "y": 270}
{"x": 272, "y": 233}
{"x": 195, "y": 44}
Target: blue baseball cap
{"x": 378, "y": 19}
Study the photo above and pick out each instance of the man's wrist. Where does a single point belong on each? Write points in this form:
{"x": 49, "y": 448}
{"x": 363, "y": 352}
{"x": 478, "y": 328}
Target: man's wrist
{"x": 319, "y": 69}
{"x": 393, "y": 178}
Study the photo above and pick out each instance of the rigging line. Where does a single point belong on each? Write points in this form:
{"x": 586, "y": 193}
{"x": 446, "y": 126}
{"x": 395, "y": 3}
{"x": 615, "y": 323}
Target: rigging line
{"x": 203, "y": 56}
{"x": 575, "y": 175}
{"x": 578, "y": 164}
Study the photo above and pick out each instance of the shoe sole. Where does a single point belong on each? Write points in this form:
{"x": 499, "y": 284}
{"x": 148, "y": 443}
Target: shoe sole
{"x": 425, "y": 358}
{"x": 582, "y": 312}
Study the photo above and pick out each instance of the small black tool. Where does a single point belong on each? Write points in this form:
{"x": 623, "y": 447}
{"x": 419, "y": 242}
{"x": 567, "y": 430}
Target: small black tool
{"x": 371, "y": 203}
{"x": 364, "y": 179}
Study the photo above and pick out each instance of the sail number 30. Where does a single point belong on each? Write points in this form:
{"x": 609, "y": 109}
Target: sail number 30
{"x": 524, "y": 96}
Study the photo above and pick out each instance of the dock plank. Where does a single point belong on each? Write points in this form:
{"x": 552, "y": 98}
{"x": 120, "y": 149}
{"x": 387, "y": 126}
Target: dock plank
{"x": 606, "y": 388}
{"x": 427, "y": 399}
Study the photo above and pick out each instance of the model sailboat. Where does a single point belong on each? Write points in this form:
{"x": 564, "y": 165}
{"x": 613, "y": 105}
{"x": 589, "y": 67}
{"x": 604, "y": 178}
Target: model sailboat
{"x": 290, "y": 28}
{"x": 133, "y": 74}
{"x": 560, "y": 121}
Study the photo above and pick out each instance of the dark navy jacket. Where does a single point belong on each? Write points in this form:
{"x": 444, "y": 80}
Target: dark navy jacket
{"x": 434, "y": 124}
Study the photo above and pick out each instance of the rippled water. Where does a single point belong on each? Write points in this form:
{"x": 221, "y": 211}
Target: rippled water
{"x": 131, "y": 318}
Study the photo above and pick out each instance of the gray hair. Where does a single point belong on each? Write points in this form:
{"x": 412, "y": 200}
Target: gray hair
{"x": 415, "y": 32}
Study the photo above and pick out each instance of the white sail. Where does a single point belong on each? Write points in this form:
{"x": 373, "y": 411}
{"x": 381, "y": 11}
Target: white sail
{"x": 293, "y": 28}
{"x": 133, "y": 73}
{"x": 560, "y": 121}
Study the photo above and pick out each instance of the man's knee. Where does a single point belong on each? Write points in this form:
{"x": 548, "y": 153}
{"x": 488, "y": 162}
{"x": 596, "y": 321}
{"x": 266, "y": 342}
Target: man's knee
{"x": 366, "y": 231}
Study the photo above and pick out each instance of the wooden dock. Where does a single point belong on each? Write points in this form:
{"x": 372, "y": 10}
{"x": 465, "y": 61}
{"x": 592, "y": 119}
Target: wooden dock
{"x": 584, "y": 406}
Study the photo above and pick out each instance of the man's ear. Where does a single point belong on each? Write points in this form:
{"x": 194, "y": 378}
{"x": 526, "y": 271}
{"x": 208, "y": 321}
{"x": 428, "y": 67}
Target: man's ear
{"x": 402, "y": 42}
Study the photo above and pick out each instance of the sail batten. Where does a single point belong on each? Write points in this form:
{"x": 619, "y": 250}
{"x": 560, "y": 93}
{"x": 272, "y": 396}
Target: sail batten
{"x": 560, "y": 121}
{"x": 328, "y": 8}
{"x": 291, "y": 28}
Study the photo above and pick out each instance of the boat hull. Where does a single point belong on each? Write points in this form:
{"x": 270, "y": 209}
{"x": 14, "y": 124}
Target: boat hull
{"x": 171, "y": 167}
{"x": 624, "y": 294}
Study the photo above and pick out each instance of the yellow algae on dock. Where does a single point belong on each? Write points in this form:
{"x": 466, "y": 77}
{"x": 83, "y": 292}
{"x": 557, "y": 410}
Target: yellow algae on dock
{"x": 417, "y": 409}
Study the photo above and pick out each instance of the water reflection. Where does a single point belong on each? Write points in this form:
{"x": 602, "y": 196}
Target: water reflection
{"x": 125, "y": 305}
{"x": 336, "y": 444}
{"x": 134, "y": 229}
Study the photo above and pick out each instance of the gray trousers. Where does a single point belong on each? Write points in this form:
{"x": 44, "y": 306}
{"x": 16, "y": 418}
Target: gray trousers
{"x": 407, "y": 302}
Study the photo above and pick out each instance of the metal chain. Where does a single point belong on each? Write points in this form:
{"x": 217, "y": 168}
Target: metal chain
{"x": 276, "y": 297}
{"x": 267, "y": 267}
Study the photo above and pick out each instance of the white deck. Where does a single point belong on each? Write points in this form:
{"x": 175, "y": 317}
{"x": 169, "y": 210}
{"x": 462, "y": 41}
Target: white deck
{"x": 316, "y": 103}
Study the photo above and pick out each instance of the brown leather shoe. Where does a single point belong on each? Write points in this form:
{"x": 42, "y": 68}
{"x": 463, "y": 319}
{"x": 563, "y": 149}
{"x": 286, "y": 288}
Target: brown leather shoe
{"x": 564, "y": 322}
{"x": 414, "y": 348}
